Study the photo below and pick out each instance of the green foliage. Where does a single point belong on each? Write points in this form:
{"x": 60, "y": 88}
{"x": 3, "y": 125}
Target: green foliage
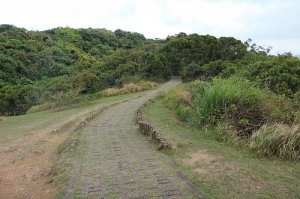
{"x": 183, "y": 112}
{"x": 61, "y": 61}
{"x": 280, "y": 74}
{"x": 61, "y": 84}
{"x": 241, "y": 113}
{"x": 88, "y": 81}
{"x": 234, "y": 101}
{"x": 241, "y": 104}
{"x": 64, "y": 60}
{"x": 183, "y": 50}
{"x": 208, "y": 71}
{"x": 17, "y": 99}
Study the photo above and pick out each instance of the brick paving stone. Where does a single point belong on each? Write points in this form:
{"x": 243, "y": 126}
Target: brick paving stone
{"x": 118, "y": 162}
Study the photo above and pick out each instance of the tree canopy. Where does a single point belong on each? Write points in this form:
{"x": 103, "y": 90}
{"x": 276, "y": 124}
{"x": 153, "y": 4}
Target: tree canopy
{"x": 37, "y": 64}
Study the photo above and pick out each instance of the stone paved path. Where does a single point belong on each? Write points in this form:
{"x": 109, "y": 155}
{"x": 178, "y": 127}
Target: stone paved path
{"x": 116, "y": 161}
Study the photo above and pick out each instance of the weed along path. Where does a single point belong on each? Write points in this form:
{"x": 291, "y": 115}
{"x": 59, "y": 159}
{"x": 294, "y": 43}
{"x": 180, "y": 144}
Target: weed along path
{"x": 115, "y": 161}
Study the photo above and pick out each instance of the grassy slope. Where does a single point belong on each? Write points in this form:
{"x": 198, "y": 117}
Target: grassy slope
{"x": 12, "y": 128}
{"x": 224, "y": 171}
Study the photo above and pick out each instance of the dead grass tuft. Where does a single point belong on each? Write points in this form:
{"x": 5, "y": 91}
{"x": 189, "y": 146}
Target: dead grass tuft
{"x": 277, "y": 140}
{"x": 111, "y": 91}
{"x": 130, "y": 88}
{"x": 2, "y": 118}
{"x": 186, "y": 96}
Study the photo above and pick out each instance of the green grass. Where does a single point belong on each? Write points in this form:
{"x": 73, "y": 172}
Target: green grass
{"x": 14, "y": 127}
{"x": 238, "y": 102}
{"x": 225, "y": 171}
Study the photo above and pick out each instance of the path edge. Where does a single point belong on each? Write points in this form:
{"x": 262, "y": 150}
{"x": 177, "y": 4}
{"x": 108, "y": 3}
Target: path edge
{"x": 74, "y": 175}
{"x": 149, "y": 130}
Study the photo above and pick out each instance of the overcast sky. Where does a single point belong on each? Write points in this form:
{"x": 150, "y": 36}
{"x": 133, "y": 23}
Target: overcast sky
{"x": 273, "y": 23}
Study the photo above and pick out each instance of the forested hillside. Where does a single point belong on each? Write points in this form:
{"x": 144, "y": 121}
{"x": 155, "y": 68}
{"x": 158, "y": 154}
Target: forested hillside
{"x": 42, "y": 66}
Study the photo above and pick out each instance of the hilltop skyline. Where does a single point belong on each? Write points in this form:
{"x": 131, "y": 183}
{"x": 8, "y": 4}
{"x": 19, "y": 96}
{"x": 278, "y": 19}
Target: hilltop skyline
{"x": 266, "y": 23}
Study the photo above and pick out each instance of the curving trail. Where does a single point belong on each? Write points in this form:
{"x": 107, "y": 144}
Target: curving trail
{"x": 115, "y": 161}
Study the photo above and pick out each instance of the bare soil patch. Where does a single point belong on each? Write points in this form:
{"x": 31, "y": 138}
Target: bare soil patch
{"x": 25, "y": 163}
{"x": 201, "y": 156}
{"x": 201, "y": 171}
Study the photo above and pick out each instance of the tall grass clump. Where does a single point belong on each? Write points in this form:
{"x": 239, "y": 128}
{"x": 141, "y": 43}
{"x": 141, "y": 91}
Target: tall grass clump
{"x": 147, "y": 85}
{"x": 180, "y": 100}
{"x": 239, "y": 112}
{"x": 232, "y": 100}
{"x": 238, "y": 102}
{"x": 130, "y": 88}
{"x": 2, "y": 118}
{"x": 278, "y": 140}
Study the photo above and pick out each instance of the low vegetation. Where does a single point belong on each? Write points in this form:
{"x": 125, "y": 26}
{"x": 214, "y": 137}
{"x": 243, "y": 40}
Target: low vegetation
{"x": 14, "y": 127}
{"x": 243, "y": 111}
{"x": 130, "y": 88}
{"x": 235, "y": 92}
{"x": 46, "y": 66}
{"x": 222, "y": 171}
{"x": 278, "y": 140}
{"x": 39, "y": 148}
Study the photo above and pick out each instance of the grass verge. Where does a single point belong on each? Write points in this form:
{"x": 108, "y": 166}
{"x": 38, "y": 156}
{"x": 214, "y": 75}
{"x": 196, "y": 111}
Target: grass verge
{"x": 21, "y": 135}
{"x": 15, "y": 127}
{"x": 220, "y": 170}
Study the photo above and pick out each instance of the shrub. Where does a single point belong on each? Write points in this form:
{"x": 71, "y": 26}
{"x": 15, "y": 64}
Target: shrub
{"x": 183, "y": 112}
{"x": 277, "y": 140}
{"x": 239, "y": 103}
{"x": 177, "y": 96}
{"x": 60, "y": 101}
{"x": 222, "y": 100}
{"x": 17, "y": 99}
{"x": 196, "y": 87}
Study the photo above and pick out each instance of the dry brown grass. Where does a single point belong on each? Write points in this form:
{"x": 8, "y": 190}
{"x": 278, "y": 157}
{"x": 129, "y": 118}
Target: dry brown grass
{"x": 111, "y": 91}
{"x": 201, "y": 156}
{"x": 186, "y": 96}
{"x": 278, "y": 140}
{"x": 130, "y": 88}
{"x": 2, "y": 118}
{"x": 147, "y": 85}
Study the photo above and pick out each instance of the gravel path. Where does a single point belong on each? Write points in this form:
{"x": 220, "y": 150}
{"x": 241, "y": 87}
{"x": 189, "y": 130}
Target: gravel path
{"x": 116, "y": 161}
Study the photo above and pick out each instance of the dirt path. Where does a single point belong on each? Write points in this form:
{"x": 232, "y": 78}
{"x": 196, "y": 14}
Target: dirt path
{"x": 115, "y": 161}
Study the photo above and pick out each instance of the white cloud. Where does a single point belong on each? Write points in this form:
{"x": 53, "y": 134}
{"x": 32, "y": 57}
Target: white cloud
{"x": 274, "y": 21}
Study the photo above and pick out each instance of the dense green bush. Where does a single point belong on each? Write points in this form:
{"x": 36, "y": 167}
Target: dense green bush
{"x": 183, "y": 112}
{"x": 17, "y": 99}
{"x": 238, "y": 102}
{"x": 235, "y": 101}
{"x": 240, "y": 110}
{"x": 60, "y": 61}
